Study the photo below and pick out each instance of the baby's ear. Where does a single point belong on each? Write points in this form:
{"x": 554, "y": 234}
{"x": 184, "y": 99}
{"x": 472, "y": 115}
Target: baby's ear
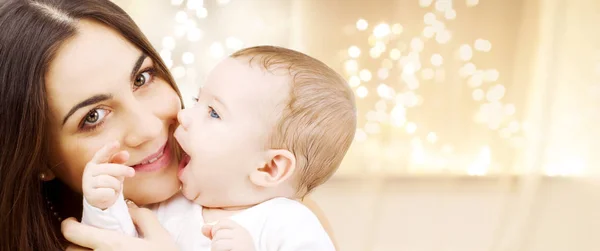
{"x": 278, "y": 167}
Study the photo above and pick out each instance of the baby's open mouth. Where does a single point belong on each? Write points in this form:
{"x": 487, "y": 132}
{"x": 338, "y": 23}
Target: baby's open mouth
{"x": 185, "y": 159}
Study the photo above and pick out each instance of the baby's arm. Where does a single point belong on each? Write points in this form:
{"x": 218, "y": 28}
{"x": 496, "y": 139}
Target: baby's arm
{"x": 115, "y": 217}
{"x": 102, "y": 185}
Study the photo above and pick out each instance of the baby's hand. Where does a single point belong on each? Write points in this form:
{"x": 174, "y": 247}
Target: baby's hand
{"x": 228, "y": 236}
{"x": 103, "y": 176}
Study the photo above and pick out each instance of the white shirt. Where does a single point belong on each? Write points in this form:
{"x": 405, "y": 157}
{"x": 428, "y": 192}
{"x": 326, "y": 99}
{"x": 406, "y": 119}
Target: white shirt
{"x": 278, "y": 224}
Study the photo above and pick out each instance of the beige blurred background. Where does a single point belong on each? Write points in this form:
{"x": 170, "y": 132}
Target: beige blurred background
{"x": 477, "y": 118}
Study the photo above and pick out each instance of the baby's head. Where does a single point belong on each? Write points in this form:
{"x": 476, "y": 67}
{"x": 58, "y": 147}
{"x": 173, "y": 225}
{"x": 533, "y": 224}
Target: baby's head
{"x": 269, "y": 122}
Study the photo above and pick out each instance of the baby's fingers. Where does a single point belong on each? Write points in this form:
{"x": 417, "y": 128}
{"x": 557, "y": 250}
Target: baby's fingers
{"x": 102, "y": 197}
{"x": 107, "y": 181}
{"x": 115, "y": 170}
{"x": 104, "y": 154}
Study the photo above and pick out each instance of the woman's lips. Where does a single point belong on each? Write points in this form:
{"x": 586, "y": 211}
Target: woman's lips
{"x": 155, "y": 161}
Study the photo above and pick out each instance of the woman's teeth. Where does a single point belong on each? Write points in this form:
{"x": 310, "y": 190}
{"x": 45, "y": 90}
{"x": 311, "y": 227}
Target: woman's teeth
{"x": 153, "y": 159}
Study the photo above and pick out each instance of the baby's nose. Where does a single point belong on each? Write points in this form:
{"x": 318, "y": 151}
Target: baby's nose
{"x": 184, "y": 119}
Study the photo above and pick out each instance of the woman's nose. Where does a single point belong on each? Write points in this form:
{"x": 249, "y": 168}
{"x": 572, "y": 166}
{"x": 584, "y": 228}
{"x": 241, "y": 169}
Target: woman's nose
{"x": 145, "y": 126}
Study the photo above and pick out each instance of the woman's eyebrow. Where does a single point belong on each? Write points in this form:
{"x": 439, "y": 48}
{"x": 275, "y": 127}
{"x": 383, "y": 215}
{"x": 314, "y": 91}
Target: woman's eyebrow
{"x": 103, "y": 97}
{"x": 138, "y": 65}
{"x": 89, "y": 101}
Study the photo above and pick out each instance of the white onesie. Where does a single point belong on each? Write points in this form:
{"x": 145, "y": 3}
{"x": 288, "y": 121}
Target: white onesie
{"x": 278, "y": 224}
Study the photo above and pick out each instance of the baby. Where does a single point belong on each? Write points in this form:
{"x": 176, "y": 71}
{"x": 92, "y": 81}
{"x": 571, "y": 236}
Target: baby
{"x": 269, "y": 126}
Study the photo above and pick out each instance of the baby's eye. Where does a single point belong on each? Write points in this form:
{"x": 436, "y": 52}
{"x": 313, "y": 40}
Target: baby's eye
{"x": 213, "y": 113}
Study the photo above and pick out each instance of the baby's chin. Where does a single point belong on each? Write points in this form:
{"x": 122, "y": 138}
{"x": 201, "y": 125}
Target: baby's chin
{"x": 189, "y": 193}
{"x": 197, "y": 198}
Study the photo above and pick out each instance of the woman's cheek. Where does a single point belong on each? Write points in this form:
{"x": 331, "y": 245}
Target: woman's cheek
{"x": 75, "y": 151}
{"x": 70, "y": 174}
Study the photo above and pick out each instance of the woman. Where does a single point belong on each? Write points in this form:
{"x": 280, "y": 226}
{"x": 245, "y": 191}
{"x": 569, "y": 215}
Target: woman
{"x": 74, "y": 76}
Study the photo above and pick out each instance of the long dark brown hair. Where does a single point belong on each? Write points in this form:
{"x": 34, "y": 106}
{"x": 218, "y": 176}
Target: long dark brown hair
{"x": 31, "y": 31}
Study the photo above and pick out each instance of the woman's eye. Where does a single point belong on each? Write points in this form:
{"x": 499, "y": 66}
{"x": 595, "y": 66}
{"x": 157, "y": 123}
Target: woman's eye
{"x": 94, "y": 117}
{"x": 213, "y": 113}
{"x": 142, "y": 79}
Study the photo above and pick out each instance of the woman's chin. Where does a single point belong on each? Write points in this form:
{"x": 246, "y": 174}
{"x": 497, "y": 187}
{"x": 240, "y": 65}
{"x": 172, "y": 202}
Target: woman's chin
{"x": 153, "y": 189}
{"x": 161, "y": 194}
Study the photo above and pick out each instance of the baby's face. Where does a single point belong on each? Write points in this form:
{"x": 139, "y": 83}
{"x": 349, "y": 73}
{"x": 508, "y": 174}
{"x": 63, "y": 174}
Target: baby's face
{"x": 225, "y": 134}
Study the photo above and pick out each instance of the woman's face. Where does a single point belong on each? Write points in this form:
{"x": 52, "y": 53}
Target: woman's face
{"x": 100, "y": 89}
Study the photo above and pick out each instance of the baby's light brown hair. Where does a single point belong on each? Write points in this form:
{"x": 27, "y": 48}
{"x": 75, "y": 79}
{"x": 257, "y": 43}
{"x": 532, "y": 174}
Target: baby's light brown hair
{"x": 318, "y": 121}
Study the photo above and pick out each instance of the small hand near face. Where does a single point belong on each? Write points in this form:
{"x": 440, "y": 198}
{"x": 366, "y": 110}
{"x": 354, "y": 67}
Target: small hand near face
{"x": 103, "y": 176}
{"x": 227, "y": 235}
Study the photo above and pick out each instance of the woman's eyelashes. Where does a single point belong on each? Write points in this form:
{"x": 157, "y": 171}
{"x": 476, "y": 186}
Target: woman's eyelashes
{"x": 143, "y": 78}
{"x": 93, "y": 119}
